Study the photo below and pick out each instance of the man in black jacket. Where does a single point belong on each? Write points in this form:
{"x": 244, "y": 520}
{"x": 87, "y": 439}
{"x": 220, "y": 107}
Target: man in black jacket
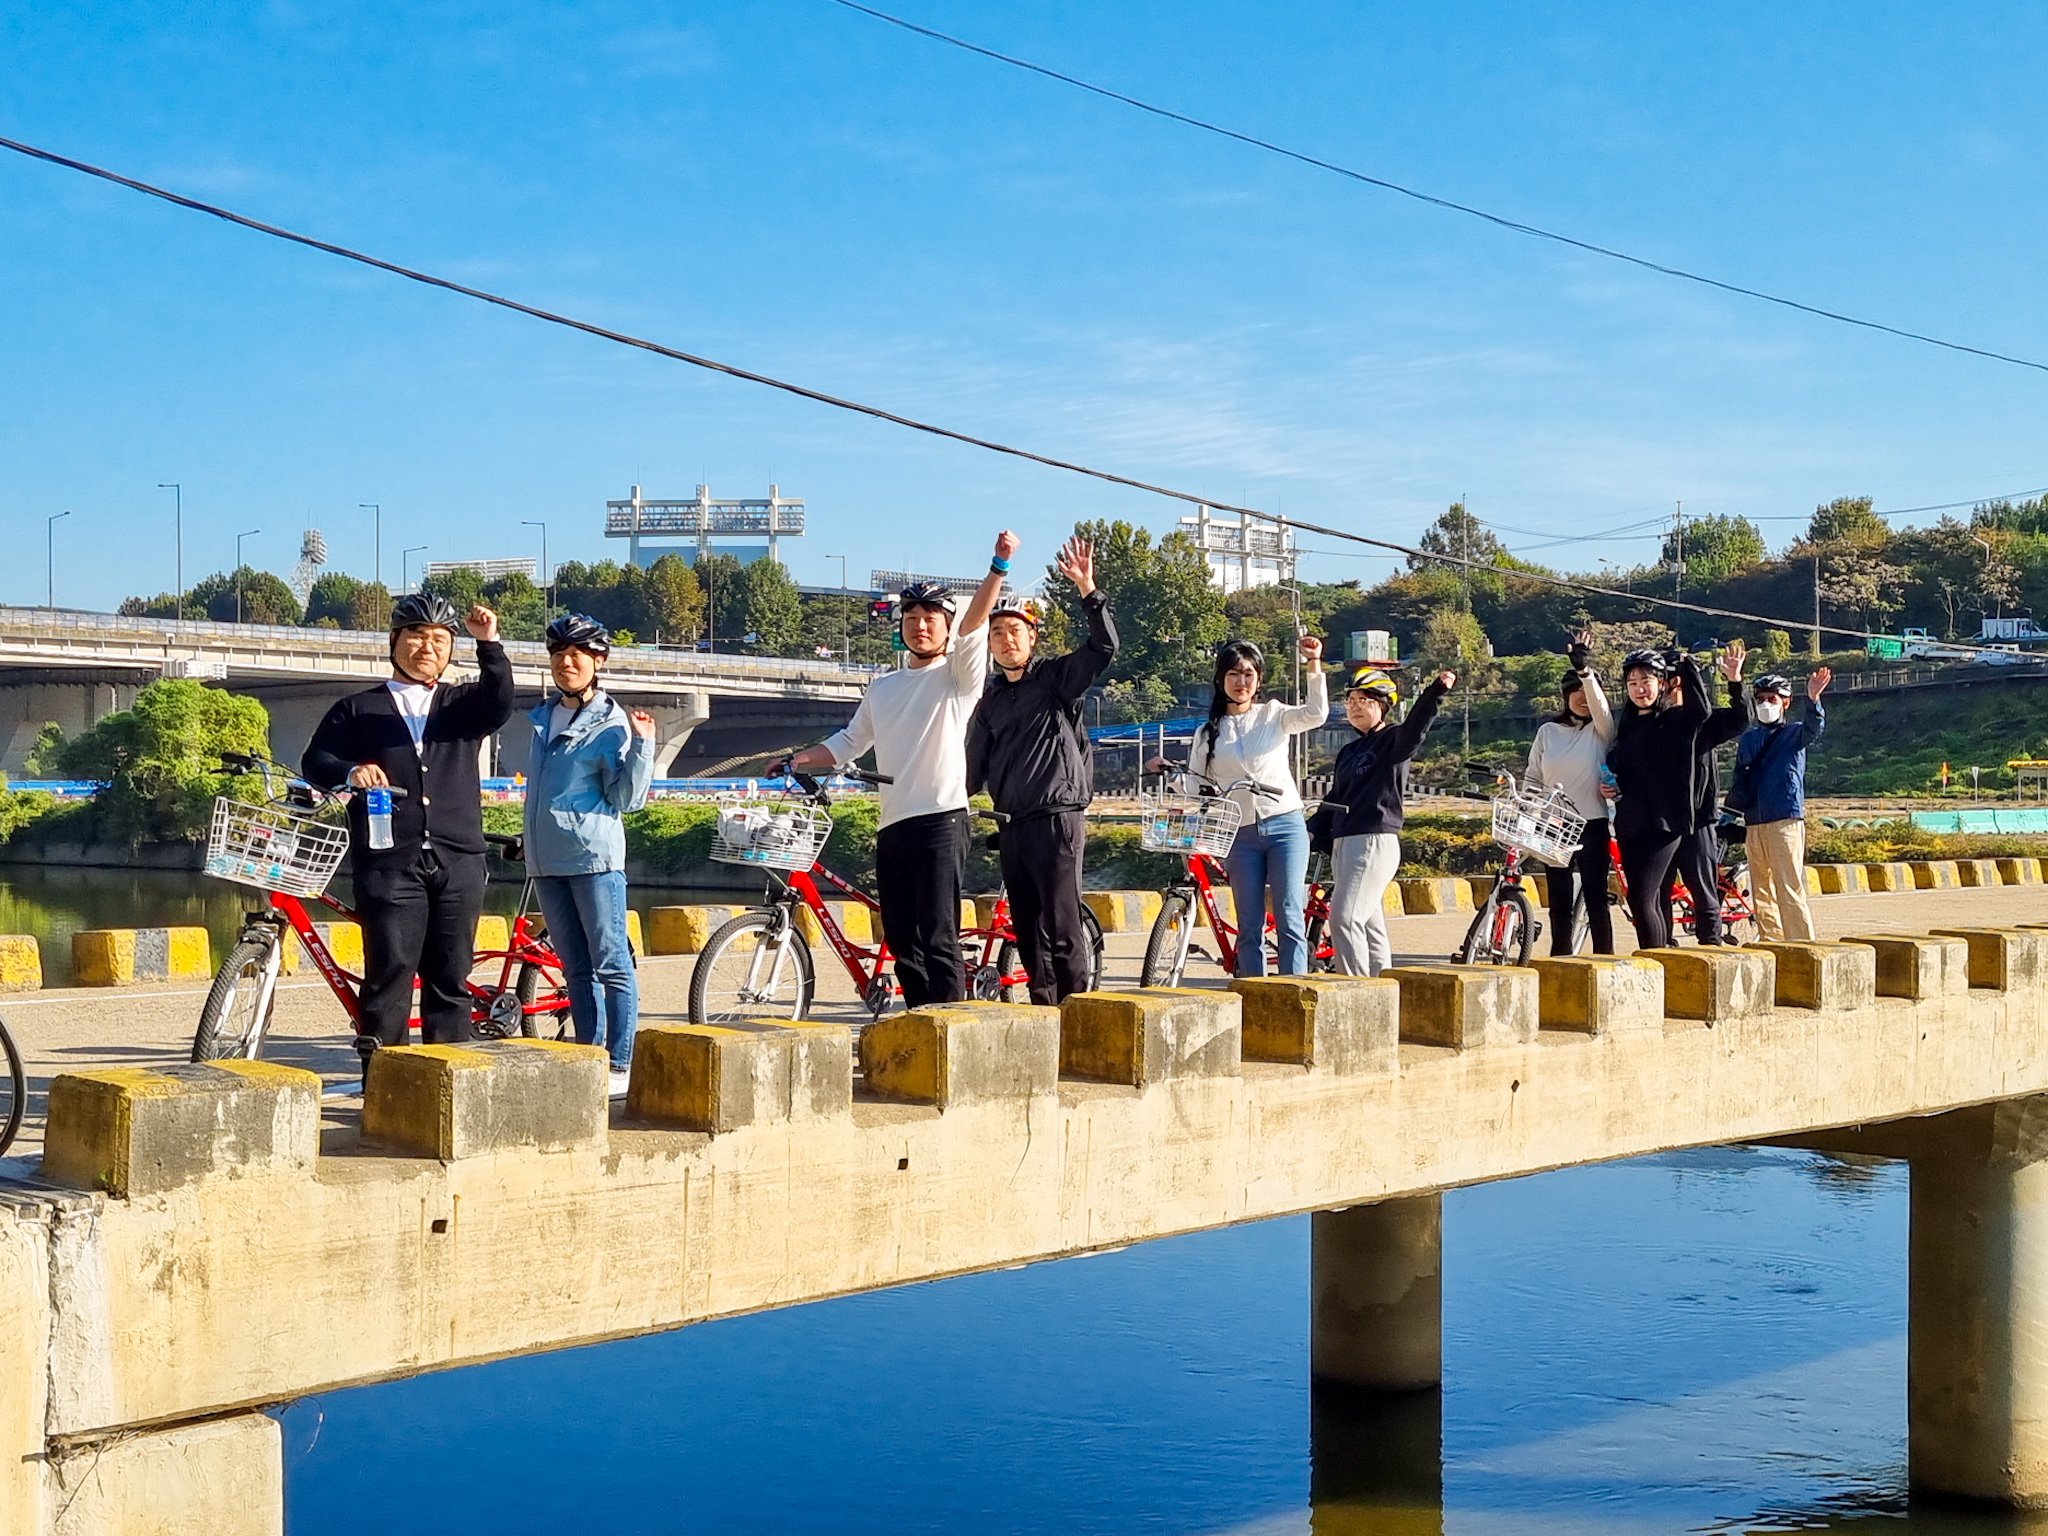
{"x": 1699, "y": 856}
{"x": 1025, "y": 745}
{"x": 419, "y": 898}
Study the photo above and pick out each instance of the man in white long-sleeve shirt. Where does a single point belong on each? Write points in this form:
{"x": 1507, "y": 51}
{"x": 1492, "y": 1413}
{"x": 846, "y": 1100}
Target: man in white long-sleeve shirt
{"x": 915, "y": 719}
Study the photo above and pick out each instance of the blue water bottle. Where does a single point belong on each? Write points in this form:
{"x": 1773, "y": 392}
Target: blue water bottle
{"x": 378, "y": 804}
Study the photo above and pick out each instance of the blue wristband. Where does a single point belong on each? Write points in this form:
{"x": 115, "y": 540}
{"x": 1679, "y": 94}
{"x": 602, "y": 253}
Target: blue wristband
{"x": 999, "y": 565}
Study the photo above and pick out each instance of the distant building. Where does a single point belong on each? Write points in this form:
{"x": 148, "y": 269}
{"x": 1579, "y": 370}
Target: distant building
{"x": 896, "y": 581}
{"x": 749, "y": 529}
{"x": 1243, "y": 552}
{"x": 490, "y": 570}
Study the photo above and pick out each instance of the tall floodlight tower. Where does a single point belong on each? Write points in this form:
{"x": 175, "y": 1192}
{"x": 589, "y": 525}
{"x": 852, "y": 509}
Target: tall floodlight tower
{"x": 312, "y": 555}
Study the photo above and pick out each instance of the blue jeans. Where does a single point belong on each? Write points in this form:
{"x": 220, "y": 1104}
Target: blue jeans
{"x": 1270, "y": 855}
{"x": 586, "y": 916}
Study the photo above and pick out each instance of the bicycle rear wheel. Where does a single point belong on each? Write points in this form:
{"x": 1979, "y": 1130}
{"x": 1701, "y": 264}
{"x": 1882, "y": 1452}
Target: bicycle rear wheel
{"x": 1738, "y": 908}
{"x": 236, "y": 1014}
{"x": 13, "y": 1090}
{"x": 757, "y": 963}
{"x": 1166, "y": 950}
{"x": 1010, "y": 962}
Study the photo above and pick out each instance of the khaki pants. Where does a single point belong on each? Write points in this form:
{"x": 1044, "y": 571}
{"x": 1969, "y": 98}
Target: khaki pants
{"x": 1777, "y": 879}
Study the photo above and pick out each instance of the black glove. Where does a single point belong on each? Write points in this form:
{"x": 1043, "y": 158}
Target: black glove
{"x": 1578, "y": 656}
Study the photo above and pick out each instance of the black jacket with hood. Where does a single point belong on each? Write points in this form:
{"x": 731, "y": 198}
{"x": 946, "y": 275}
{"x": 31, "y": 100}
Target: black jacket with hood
{"x": 1371, "y": 780}
{"x": 1025, "y": 744}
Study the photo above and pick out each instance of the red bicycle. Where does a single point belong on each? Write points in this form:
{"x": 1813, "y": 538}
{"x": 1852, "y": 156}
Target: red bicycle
{"x": 284, "y": 848}
{"x": 1203, "y": 829}
{"x": 1738, "y": 913}
{"x": 760, "y": 961}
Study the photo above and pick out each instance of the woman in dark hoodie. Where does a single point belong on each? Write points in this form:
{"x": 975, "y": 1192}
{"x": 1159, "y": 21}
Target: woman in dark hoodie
{"x": 1653, "y": 759}
{"x": 1365, "y": 826}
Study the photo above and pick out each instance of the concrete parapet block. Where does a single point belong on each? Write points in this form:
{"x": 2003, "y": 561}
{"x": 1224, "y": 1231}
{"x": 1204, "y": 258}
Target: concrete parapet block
{"x": 1427, "y": 897}
{"x": 1812, "y": 873}
{"x": 1935, "y": 874}
{"x": 856, "y": 923}
{"x": 1597, "y": 994}
{"x": 2019, "y": 871}
{"x": 1341, "y": 1024}
{"x": 1482, "y": 887}
{"x": 1716, "y": 983}
{"x": 459, "y": 1101}
{"x": 493, "y": 932}
{"x": 1466, "y": 1006}
{"x": 1916, "y": 966}
{"x": 1151, "y": 1035}
{"x": 1890, "y": 877}
{"x": 133, "y": 1131}
{"x": 684, "y": 930}
{"x": 1818, "y": 975}
{"x": 1842, "y": 879}
{"x": 119, "y": 957}
{"x": 224, "y": 1477}
{"x": 963, "y": 1053}
{"x": 21, "y": 963}
{"x": 1978, "y": 872}
{"x": 636, "y": 936}
{"x": 751, "y": 1072}
{"x": 344, "y": 942}
{"x": 2003, "y": 959}
{"x": 1123, "y": 911}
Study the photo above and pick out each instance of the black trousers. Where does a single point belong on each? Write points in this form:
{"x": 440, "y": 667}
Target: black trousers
{"x": 1698, "y": 864}
{"x": 920, "y": 864}
{"x": 419, "y": 920}
{"x": 1646, "y": 865}
{"x": 1587, "y": 870}
{"x": 1042, "y": 871}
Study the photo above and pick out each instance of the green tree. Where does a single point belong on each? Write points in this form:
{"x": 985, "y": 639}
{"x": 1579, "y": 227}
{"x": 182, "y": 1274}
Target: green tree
{"x": 1775, "y": 652}
{"x": 725, "y": 595}
{"x": 46, "y": 758}
{"x": 1716, "y": 548}
{"x": 332, "y": 598}
{"x": 1458, "y": 536}
{"x": 674, "y": 601}
{"x": 1169, "y": 615}
{"x": 1848, "y": 520}
{"x": 521, "y": 606}
{"x": 774, "y": 613}
{"x": 369, "y": 606}
{"x": 464, "y": 589}
{"x": 160, "y": 758}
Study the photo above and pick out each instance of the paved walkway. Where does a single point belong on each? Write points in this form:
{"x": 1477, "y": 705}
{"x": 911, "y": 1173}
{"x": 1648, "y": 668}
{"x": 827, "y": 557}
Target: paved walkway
{"x": 73, "y": 1029}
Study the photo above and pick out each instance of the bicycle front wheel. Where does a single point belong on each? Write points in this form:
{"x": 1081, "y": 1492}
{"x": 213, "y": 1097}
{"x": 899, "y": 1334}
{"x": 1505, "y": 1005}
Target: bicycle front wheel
{"x": 1166, "y": 951}
{"x": 757, "y": 963}
{"x": 236, "y": 1014}
{"x": 13, "y": 1090}
{"x": 1501, "y": 933}
{"x": 536, "y": 989}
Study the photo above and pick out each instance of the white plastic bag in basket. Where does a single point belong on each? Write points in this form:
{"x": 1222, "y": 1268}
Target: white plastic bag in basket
{"x": 739, "y": 825}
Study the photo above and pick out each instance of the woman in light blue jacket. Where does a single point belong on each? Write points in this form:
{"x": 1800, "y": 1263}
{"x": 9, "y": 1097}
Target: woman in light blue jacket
{"x": 590, "y": 762}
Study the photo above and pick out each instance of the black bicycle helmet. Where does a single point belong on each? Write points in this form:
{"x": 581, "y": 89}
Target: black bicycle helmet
{"x": 928, "y": 594}
{"x": 1656, "y": 663}
{"x": 1771, "y": 682}
{"x": 428, "y": 610}
{"x": 582, "y": 632}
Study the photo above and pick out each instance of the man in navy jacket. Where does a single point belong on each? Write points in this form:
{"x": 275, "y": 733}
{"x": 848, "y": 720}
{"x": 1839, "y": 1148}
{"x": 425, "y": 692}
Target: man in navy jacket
{"x": 1770, "y": 764}
{"x": 419, "y": 898}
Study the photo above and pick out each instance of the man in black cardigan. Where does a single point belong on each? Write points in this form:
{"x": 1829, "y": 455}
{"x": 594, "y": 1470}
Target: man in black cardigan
{"x": 419, "y": 898}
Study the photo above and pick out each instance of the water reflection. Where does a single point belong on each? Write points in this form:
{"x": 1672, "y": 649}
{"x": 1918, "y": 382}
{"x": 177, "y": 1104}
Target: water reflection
{"x": 1708, "y": 1341}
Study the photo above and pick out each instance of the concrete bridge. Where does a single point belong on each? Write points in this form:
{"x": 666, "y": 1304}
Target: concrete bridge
{"x": 197, "y": 1247}
{"x": 73, "y": 668}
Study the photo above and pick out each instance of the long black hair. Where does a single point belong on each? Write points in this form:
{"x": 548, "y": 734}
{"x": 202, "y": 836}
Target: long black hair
{"x": 1572, "y": 683}
{"x": 1227, "y": 658}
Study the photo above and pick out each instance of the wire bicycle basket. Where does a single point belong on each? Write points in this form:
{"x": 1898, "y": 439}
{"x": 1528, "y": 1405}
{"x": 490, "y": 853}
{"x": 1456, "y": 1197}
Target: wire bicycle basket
{"x": 273, "y": 847}
{"x": 764, "y": 834}
{"x": 1182, "y": 824}
{"x": 1540, "y": 822}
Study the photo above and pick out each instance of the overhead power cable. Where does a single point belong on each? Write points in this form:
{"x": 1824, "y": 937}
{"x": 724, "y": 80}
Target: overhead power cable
{"x": 1499, "y": 220}
{"x": 839, "y": 403}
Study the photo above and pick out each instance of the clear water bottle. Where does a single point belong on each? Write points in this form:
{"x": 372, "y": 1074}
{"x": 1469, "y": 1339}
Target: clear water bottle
{"x": 377, "y": 803}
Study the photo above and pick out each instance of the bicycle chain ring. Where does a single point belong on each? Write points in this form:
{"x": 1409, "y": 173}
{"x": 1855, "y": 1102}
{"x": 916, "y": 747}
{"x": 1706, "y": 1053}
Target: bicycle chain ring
{"x": 502, "y": 1019}
{"x": 988, "y": 984}
{"x": 879, "y": 994}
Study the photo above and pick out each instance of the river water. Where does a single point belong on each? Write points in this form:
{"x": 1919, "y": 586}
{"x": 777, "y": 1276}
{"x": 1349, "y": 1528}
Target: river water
{"x": 1703, "y": 1341}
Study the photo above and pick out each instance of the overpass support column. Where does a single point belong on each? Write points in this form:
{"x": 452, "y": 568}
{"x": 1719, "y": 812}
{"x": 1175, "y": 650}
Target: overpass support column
{"x": 673, "y": 724}
{"x": 224, "y": 1477}
{"x": 1977, "y": 1355}
{"x": 1376, "y": 1280}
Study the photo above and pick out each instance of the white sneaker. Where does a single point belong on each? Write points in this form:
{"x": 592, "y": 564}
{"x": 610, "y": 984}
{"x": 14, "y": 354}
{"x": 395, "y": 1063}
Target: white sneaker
{"x": 619, "y": 1080}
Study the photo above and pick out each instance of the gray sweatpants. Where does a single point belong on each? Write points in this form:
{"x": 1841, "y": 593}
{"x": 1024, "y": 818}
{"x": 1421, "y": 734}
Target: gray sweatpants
{"x": 1361, "y": 866}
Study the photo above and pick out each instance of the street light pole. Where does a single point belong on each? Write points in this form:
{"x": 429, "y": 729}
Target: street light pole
{"x": 842, "y": 569}
{"x": 50, "y": 552}
{"x": 238, "y": 569}
{"x": 376, "y": 540}
{"x": 180, "y": 490}
{"x": 405, "y": 581}
{"x": 547, "y": 574}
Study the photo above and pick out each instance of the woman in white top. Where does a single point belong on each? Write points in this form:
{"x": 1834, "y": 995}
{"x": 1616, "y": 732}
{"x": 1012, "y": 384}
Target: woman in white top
{"x": 1246, "y": 737}
{"x": 1569, "y": 752}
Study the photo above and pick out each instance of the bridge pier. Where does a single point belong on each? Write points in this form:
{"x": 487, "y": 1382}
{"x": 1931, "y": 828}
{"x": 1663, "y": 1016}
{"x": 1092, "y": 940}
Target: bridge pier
{"x": 1977, "y": 1350}
{"x": 1376, "y": 1288}
{"x": 224, "y": 1477}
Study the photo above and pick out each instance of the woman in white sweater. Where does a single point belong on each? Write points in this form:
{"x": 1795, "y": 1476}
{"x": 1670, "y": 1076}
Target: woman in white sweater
{"x": 1246, "y": 737}
{"x": 1570, "y": 749}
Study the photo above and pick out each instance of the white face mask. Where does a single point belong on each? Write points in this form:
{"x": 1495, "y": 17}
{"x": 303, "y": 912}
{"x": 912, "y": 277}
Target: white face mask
{"x": 1769, "y": 711}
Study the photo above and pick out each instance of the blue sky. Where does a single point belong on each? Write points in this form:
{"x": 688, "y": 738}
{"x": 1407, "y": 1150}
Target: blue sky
{"x": 799, "y": 189}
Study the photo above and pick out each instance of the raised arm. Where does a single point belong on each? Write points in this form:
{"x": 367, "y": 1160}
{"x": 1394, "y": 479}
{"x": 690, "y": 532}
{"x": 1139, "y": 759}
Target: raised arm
{"x": 1697, "y": 706}
{"x": 1409, "y": 733}
{"x": 1314, "y": 710}
{"x": 991, "y": 586}
{"x": 1074, "y": 674}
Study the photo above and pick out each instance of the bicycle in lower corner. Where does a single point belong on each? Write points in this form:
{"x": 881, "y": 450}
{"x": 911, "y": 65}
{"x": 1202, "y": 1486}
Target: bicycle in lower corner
{"x": 760, "y": 961}
{"x": 1201, "y": 829}
{"x": 13, "y": 1090}
{"x": 284, "y": 847}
